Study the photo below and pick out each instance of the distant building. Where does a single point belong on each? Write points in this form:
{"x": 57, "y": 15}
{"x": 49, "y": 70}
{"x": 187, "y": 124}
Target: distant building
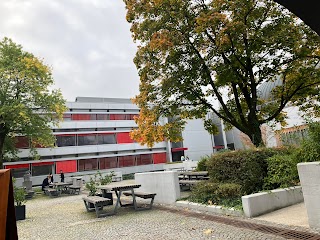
{"x": 94, "y": 135}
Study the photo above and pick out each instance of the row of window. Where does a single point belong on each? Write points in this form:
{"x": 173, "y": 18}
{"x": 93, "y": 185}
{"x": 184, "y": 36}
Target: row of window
{"x": 82, "y": 139}
{"x": 81, "y": 165}
{"x": 88, "y": 117}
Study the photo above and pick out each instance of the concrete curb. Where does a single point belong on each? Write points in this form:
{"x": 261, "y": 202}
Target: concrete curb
{"x": 210, "y": 208}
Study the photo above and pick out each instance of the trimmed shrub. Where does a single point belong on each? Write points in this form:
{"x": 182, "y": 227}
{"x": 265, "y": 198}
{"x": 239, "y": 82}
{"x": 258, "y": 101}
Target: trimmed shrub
{"x": 310, "y": 147}
{"x": 202, "y": 163}
{"x": 247, "y": 168}
{"x": 224, "y": 194}
{"x": 282, "y": 172}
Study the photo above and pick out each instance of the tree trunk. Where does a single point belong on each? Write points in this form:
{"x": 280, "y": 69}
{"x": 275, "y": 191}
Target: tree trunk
{"x": 254, "y": 133}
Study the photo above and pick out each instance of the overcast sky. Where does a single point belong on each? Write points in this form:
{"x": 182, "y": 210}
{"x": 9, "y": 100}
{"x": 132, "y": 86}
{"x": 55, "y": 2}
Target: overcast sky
{"x": 87, "y": 43}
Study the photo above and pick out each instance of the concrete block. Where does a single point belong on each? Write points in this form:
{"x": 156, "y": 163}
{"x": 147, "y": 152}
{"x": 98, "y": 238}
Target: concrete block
{"x": 165, "y": 184}
{"x": 260, "y": 203}
{"x": 309, "y": 174}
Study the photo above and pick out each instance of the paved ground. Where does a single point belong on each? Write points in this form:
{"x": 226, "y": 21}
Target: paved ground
{"x": 295, "y": 215}
{"x": 66, "y": 218}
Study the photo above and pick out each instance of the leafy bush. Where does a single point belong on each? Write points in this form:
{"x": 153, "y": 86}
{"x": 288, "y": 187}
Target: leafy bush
{"x": 92, "y": 185}
{"x": 310, "y": 147}
{"x": 202, "y": 163}
{"x": 247, "y": 168}
{"x": 282, "y": 172}
{"x": 224, "y": 194}
{"x": 106, "y": 179}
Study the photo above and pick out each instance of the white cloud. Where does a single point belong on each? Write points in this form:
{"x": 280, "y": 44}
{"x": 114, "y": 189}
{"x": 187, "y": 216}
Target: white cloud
{"x": 86, "y": 42}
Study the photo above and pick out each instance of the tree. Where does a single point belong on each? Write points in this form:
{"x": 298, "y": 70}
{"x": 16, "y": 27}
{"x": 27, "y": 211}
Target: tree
{"x": 27, "y": 106}
{"x": 194, "y": 53}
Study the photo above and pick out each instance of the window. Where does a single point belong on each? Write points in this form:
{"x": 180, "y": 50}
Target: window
{"x": 80, "y": 117}
{"x": 106, "y": 163}
{"x": 144, "y": 159}
{"x": 45, "y": 169}
{"x": 106, "y": 138}
{"x": 87, "y": 140}
{"x": 103, "y": 117}
{"x": 117, "y": 116}
{"x": 22, "y": 142}
{"x": 66, "y": 140}
{"x": 126, "y": 161}
{"x": 18, "y": 170}
{"x": 88, "y": 164}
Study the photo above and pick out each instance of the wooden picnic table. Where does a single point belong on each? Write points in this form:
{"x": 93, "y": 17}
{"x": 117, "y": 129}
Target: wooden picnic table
{"x": 60, "y": 186}
{"x": 119, "y": 188}
{"x": 193, "y": 175}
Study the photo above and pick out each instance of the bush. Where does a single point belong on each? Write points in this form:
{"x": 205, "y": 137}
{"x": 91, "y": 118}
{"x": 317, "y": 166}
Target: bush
{"x": 282, "y": 172}
{"x": 202, "y": 163}
{"x": 224, "y": 194}
{"x": 18, "y": 194}
{"x": 310, "y": 147}
{"x": 247, "y": 168}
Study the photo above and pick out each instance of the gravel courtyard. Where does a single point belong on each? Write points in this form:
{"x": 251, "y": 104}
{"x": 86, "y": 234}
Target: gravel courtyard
{"x": 66, "y": 218}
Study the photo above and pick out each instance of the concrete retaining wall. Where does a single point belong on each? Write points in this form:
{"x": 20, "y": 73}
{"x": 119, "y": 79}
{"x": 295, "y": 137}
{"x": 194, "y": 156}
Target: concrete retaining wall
{"x": 260, "y": 203}
{"x": 209, "y": 208}
{"x": 309, "y": 174}
{"x": 165, "y": 184}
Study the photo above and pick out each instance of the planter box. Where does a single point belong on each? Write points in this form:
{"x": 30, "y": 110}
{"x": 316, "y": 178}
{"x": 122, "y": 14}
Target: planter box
{"x": 261, "y": 203}
{"x": 20, "y": 212}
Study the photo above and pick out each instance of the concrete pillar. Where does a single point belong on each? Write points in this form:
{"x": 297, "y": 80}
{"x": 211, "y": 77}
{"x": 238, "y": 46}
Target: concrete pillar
{"x": 165, "y": 184}
{"x": 309, "y": 174}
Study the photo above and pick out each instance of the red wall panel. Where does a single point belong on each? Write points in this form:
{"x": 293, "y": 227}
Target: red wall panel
{"x": 26, "y": 165}
{"x": 66, "y": 166}
{"x": 159, "y": 158}
{"x": 124, "y": 138}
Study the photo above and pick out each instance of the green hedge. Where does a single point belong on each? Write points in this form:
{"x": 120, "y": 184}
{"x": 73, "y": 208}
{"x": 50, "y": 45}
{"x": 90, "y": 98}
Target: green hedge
{"x": 225, "y": 194}
{"x": 282, "y": 172}
{"x": 247, "y": 168}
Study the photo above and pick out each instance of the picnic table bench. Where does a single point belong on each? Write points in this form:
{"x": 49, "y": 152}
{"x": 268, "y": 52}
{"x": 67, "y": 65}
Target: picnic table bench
{"x": 74, "y": 189}
{"x": 189, "y": 183}
{"x": 143, "y": 195}
{"x": 52, "y": 192}
{"x": 96, "y": 203}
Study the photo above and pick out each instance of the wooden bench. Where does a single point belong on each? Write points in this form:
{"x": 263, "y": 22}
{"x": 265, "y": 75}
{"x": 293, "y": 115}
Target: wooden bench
{"x": 96, "y": 203}
{"x": 52, "y": 192}
{"x": 74, "y": 189}
{"x": 143, "y": 195}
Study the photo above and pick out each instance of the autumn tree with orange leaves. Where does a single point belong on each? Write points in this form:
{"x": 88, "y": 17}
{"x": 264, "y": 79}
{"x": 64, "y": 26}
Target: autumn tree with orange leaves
{"x": 193, "y": 53}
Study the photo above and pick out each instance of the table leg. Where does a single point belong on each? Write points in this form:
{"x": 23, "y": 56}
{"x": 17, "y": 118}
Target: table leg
{"x": 118, "y": 194}
{"x": 134, "y": 200}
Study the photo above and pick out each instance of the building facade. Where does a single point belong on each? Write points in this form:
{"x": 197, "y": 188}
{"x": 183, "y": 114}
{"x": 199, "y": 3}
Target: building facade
{"x": 94, "y": 135}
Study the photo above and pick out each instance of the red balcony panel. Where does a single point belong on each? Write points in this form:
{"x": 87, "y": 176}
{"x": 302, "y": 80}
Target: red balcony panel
{"x": 26, "y": 165}
{"x": 124, "y": 138}
{"x": 159, "y": 158}
{"x": 42, "y": 163}
{"x": 77, "y": 117}
{"x": 66, "y": 166}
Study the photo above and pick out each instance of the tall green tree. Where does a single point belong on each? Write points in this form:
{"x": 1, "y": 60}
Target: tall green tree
{"x": 195, "y": 53}
{"x": 27, "y": 105}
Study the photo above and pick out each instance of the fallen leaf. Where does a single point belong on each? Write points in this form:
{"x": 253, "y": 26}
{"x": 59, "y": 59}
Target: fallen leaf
{"x": 208, "y": 231}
